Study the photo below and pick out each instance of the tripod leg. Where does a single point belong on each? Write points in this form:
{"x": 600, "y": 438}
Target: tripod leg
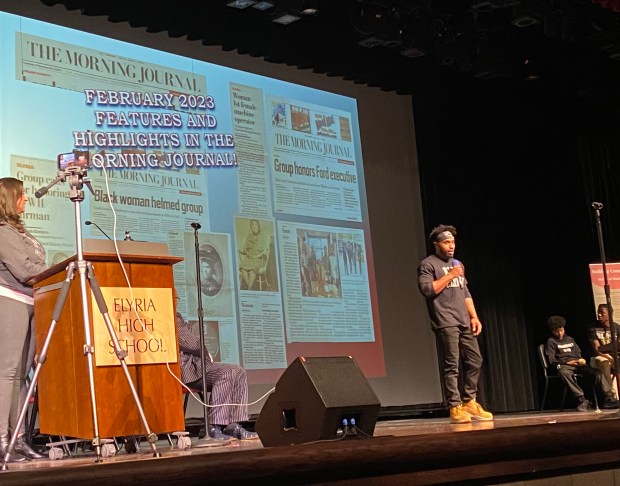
{"x": 89, "y": 350}
{"x": 121, "y": 354}
{"x": 41, "y": 359}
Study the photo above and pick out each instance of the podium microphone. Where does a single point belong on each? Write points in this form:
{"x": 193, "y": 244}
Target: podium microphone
{"x": 88, "y": 223}
{"x": 196, "y": 226}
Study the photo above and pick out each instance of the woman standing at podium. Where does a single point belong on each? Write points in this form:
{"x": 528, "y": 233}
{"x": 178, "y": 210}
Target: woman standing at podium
{"x": 21, "y": 258}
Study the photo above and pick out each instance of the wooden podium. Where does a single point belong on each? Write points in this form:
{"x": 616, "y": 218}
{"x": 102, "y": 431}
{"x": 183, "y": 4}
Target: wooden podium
{"x": 65, "y": 406}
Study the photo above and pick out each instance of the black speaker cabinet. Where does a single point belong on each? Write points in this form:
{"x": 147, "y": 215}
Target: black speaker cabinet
{"x": 312, "y": 399}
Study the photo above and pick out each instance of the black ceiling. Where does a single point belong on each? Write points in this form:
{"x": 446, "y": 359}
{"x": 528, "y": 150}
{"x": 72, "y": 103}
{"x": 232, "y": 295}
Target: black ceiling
{"x": 574, "y": 44}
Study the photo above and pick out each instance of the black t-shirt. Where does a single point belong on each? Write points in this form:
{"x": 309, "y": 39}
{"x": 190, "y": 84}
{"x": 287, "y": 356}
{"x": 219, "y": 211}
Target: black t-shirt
{"x": 602, "y": 334}
{"x": 447, "y": 308}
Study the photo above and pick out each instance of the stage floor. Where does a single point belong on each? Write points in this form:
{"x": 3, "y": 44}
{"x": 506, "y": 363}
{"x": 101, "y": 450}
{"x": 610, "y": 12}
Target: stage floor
{"x": 416, "y": 434}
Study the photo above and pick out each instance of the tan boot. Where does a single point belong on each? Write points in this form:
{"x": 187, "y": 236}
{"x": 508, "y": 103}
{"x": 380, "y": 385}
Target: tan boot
{"x": 459, "y": 416}
{"x": 476, "y": 411}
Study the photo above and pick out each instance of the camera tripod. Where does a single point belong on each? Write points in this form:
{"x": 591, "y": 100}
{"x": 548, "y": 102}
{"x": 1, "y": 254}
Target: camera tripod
{"x": 77, "y": 177}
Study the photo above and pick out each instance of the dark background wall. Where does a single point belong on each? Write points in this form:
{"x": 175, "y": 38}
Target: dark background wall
{"x": 515, "y": 165}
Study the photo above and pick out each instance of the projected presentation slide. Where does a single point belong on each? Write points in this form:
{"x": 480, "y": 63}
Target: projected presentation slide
{"x": 271, "y": 171}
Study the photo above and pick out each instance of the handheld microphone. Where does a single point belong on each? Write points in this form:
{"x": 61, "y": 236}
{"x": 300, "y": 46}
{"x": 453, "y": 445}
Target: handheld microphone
{"x": 196, "y": 226}
{"x": 88, "y": 223}
{"x": 455, "y": 263}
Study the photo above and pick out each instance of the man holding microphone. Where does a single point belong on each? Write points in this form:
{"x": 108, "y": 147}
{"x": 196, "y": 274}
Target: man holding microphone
{"x": 441, "y": 279}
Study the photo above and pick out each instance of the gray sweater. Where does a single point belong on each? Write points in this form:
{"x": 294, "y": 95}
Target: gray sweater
{"x": 21, "y": 258}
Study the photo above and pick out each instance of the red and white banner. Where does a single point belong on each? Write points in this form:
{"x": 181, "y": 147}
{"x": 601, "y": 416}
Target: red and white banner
{"x": 598, "y": 283}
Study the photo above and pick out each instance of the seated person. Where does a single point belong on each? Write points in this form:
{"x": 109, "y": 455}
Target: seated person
{"x": 564, "y": 354}
{"x": 602, "y": 359}
{"x": 228, "y": 384}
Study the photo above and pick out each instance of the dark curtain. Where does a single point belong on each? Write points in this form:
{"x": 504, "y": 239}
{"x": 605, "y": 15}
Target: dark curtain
{"x": 599, "y": 155}
{"x": 514, "y": 167}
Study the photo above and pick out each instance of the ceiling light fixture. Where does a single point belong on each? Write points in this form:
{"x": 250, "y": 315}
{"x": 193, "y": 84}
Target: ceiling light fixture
{"x": 294, "y": 10}
{"x": 370, "y": 42}
{"x": 524, "y": 21}
{"x": 309, "y": 7}
{"x": 286, "y": 19}
{"x": 241, "y": 4}
{"x": 412, "y": 52}
{"x": 262, "y": 6}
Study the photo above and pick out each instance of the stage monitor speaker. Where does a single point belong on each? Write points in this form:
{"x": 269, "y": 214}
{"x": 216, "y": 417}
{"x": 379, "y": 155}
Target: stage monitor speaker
{"x": 312, "y": 399}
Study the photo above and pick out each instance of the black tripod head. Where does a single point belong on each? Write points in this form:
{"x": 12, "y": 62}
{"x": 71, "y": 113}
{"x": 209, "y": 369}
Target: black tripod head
{"x": 77, "y": 177}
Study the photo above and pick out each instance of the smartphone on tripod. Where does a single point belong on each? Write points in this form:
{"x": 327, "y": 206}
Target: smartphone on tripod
{"x": 75, "y": 158}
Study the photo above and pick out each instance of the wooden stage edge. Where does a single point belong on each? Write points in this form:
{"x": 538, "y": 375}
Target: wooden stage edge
{"x": 420, "y": 451}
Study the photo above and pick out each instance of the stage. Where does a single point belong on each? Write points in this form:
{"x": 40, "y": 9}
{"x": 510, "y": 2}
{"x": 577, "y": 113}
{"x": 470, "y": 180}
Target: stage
{"x": 515, "y": 447}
